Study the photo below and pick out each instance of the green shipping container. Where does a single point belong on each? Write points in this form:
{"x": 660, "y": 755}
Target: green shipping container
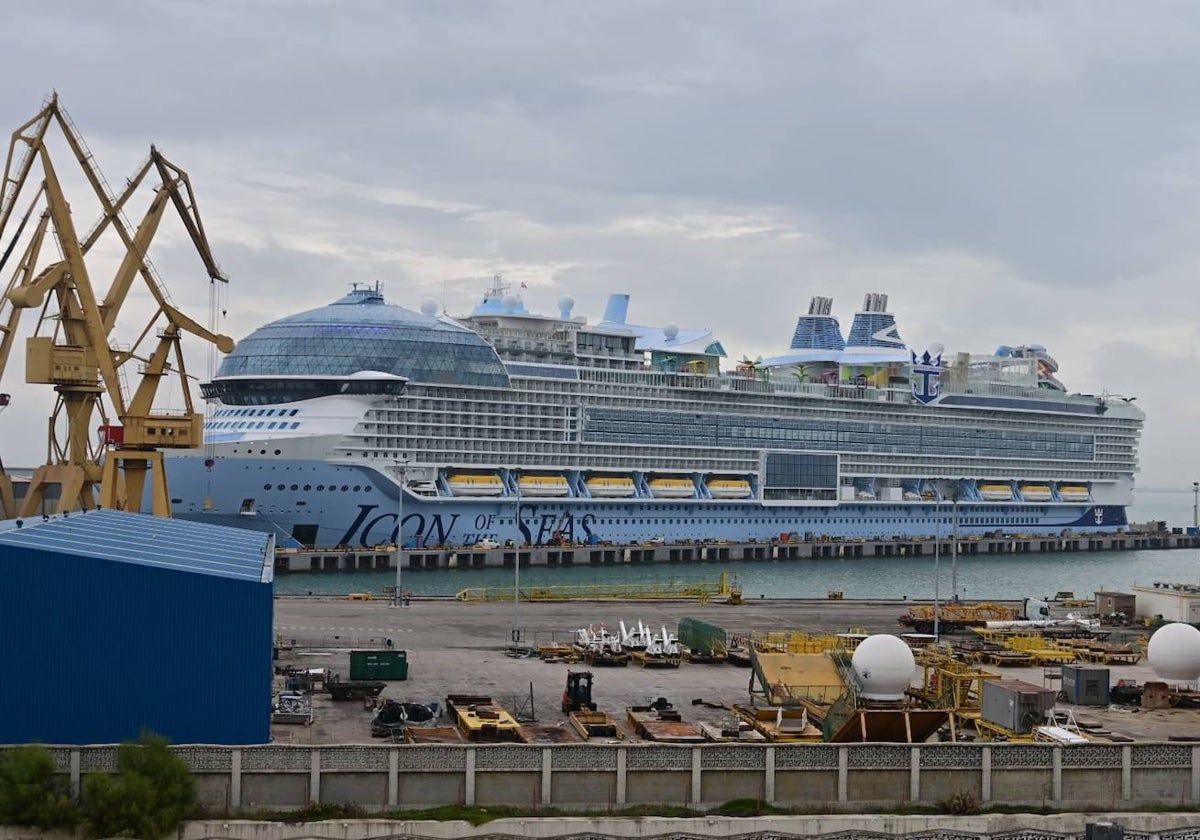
{"x": 378, "y": 665}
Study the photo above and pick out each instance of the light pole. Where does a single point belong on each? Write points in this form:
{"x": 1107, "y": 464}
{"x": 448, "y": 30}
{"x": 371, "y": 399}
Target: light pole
{"x": 937, "y": 560}
{"x": 954, "y": 544}
{"x": 1196, "y": 505}
{"x": 516, "y": 628}
{"x": 401, "y": 465}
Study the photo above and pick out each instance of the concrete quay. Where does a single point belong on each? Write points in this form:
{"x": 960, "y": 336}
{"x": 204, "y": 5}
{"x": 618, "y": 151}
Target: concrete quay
{"x": 348, "y": 558}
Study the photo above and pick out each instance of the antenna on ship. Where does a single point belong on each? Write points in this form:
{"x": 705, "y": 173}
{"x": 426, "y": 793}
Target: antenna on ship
{"x": 499, "y": 287}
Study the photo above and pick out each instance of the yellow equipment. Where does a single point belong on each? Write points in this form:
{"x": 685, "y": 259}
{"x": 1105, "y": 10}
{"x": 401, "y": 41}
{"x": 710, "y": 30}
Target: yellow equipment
{"x": 75, "y": 349}
{"x": 955, "y": 612}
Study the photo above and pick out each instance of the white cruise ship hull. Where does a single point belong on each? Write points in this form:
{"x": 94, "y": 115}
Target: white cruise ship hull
{"x": 306, "y": 440}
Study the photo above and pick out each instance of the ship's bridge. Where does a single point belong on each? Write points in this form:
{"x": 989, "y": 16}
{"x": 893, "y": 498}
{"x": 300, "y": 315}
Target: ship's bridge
{"x": 357, "y": 333}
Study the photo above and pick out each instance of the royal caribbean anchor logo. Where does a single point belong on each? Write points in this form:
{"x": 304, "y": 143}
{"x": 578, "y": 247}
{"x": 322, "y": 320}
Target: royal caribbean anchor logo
{"x": 1098, "y": 513}
{"x": 927, "y": 375}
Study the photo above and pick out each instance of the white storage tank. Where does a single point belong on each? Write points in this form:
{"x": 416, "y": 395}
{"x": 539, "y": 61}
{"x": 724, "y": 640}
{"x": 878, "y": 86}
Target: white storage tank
{"x": 1174, "y": 652}
{"x": 883, "y": 665}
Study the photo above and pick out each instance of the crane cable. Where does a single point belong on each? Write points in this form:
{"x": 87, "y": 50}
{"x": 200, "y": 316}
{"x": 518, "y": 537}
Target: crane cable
{"x": 21, "y": 227}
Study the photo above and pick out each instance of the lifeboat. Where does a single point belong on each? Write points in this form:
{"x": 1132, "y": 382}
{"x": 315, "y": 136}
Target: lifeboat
{"x": 995, "y": 492}
{"x": 728, "y": 488}
{"x": 610, "y": 486}
{"x": 475, "y": 484}
{"x": 1035, "y": 492}
{"x": 543, "y": 485}
{"x": 672, "y": 488}
{"x": 1073, "y": 492}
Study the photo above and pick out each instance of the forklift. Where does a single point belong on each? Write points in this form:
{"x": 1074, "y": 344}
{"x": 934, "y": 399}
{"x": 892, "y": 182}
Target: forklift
{"x": 577, "y": 696}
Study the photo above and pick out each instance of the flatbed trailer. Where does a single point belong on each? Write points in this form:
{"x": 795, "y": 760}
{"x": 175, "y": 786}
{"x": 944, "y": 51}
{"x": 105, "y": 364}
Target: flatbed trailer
{"x": 480, "y": 719}
{"x": 594, "y": 724}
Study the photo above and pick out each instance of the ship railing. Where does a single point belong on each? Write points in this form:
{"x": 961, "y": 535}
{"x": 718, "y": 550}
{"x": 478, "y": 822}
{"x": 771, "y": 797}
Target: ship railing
{"x": 779, "y": 383}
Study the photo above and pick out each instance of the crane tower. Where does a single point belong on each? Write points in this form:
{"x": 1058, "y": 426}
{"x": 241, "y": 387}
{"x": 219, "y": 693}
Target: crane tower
{"x": 73, "y": 347}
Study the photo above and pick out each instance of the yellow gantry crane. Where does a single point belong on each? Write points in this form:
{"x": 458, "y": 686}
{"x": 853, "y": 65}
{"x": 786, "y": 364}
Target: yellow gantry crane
{"x": 73, "y": 346}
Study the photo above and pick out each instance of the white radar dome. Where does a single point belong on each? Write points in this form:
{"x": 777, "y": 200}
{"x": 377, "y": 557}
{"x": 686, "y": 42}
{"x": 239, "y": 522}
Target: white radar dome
{"x": 429, "y": 306}
{"x": 566, "y": 303}
{"x": 671, "y": 332}
{"x": 936, "y": 348}
{"x": 510, "y": 303}
{"x": 884, "y": 667}
{"x": 1174, "y": 652}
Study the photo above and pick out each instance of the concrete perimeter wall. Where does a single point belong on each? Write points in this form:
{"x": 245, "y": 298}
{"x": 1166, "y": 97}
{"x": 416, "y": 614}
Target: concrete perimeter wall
{"x": 826, "y": 778}
{"x": 1176, "y": 826}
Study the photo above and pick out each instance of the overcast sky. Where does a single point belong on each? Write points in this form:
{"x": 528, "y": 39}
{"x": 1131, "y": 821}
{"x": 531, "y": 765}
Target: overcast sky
{"x": 1007, "y": 172}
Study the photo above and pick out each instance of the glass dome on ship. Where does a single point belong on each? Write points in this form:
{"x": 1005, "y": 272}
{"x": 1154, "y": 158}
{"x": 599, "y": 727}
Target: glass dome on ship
{"x": 509, "y": 424}
{"x": 310, "y": 354}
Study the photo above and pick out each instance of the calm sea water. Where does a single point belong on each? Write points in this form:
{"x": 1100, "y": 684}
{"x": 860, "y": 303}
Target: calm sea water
{"x": 1008, "y": 576}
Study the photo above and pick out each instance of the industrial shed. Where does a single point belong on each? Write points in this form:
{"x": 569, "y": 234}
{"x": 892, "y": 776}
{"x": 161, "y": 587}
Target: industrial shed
{"x": 113, "y": 623}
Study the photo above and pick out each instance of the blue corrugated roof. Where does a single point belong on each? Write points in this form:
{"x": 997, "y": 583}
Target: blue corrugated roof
{"x": 173, "y": 544}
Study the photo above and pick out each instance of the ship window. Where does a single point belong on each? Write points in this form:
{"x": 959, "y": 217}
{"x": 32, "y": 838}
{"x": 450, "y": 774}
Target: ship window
{"x": 307, "y": 486}
{"x": 295, "y": 487}
{"x": 345, "y": 488}
{"x": 266, "y": 486}
{"x": 320, "y": 487}
{"x": 279, "y": 487}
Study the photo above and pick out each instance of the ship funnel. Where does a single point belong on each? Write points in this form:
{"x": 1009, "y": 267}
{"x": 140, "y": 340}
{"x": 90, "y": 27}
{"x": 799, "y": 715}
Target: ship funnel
{"x": 618, "y": 306}
{"x": 565, "y": 304}
{"x": 874, "y": 326}
{"x": 818, "y": 330}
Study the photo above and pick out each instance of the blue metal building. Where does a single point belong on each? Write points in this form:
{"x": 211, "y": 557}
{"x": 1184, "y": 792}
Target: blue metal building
{"x": 114, "y": 623}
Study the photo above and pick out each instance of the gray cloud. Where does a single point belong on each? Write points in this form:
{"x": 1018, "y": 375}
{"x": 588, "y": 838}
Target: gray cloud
{"x": 1008, "y": 172}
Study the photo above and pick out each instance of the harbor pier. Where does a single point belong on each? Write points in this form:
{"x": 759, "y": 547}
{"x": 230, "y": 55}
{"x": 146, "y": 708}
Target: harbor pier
{"x": 381, "y": 558}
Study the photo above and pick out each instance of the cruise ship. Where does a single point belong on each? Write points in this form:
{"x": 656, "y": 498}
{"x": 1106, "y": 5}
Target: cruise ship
{"x": 328, "y": 426}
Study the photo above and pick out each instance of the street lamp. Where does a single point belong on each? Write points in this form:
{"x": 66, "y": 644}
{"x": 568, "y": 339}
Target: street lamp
{"x": 516, "y": 628}
{"x": 401, "y": 468}
{"x": 937, "y": 559}
{"x": 954, "y": 544}
{"x": 1196, "y": 505}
